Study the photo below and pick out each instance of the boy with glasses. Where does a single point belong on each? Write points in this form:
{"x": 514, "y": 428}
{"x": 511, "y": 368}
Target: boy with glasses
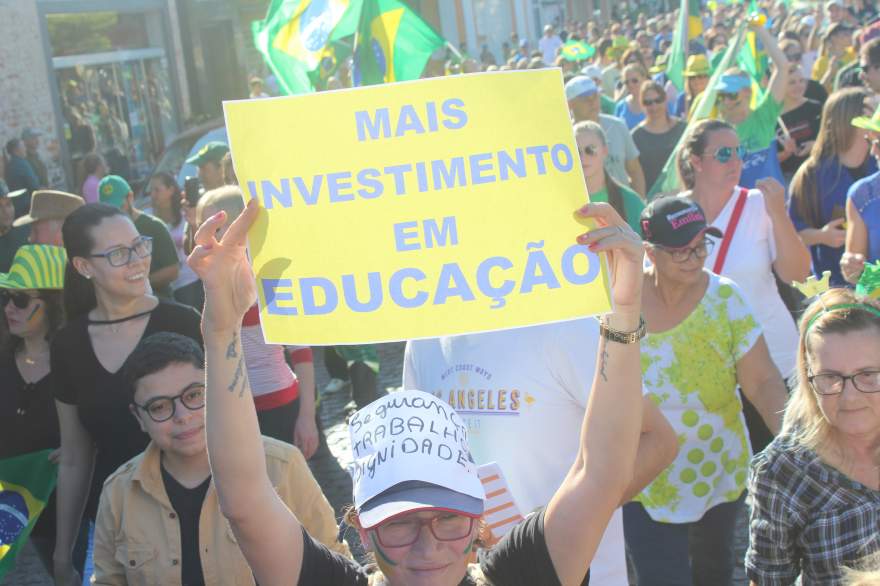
{"x": 159, "y": 520}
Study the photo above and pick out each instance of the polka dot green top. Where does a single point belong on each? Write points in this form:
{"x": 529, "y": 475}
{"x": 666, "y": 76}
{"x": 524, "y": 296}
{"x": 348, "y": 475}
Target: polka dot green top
{"x": 689, "y": 372}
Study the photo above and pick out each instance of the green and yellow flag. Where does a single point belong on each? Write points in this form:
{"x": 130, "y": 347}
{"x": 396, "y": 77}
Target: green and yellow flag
{"x": 689, "y": 27}
{"x": 26, "y": 482}
{"x": 298, "y": 36}
{"x": 668, "y": 181}
{"x": 393, "y": 43}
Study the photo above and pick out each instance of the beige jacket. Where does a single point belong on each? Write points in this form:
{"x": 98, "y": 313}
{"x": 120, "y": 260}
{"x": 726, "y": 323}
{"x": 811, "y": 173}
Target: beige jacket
{"x": 137, "y": 534}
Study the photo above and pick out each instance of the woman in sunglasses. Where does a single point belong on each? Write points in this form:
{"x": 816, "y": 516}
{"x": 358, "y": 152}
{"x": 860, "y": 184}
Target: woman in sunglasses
{"x": 704, "y": 342}
{"x": 759, "y": 238}
{"x": 815, "y": 490}
{"x": 110, "y": 307}
{"x": 840, "y": 157}
{"x": 629, "y": 108}
{"x": 593, "y": 149}
{"x": 30, "y": 297}
{"x": 657, "y": 135}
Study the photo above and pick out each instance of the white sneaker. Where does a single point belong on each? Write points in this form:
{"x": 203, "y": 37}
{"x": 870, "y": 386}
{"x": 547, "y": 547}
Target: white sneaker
{"x": 335, "y": 385}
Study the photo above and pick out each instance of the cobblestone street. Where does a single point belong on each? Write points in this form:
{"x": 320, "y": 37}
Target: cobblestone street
{"x": 328, "y": 465}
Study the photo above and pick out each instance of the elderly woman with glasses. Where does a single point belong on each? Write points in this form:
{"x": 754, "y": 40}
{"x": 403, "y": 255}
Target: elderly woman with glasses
{"x": 816, "y": 489}
{"x": 110, "y": 307}
{"x": 704, "y": 342}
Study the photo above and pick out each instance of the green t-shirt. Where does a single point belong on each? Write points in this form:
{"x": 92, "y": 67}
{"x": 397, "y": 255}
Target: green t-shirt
{"x": 164, "y": 252}
{"x": 757, "y": 133}
{"x": 607, "y": 105}
{"x": 632, "y": 205}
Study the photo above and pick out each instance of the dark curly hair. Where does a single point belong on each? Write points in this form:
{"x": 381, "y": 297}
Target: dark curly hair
{"x": 156, "y": 352}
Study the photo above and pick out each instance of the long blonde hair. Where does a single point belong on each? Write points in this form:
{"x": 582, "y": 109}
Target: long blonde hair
{"x": 803, "y": 419}
{"x": 836, "y": 136}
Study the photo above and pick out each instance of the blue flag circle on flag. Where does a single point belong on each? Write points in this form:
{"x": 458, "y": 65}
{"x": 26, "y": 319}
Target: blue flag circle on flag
{"x": 14, "y": 516}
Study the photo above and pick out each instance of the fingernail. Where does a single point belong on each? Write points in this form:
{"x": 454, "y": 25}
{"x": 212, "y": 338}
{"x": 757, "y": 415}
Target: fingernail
{"x": 593, "y": 246}
{"x": 584, "y": 209}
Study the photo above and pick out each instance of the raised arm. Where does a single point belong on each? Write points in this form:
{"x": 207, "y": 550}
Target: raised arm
{"x": 792, "y": 257}
{"x": 579, "y": 511}
{"x": 269, "y": 535}
{"x": 853, "y": 261}
{"x": 779, "y": 78}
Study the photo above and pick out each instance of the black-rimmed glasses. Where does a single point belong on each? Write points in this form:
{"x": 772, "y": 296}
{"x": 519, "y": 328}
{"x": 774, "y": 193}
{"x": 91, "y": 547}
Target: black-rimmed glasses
{"x": 19, "y": 299}
{"x": 162, "y": 408}
{"x": 405, "y": 530}
{"x": 684, "y": 254}
{"x": 121, "y": 255}
{"x": 866, "y": 381}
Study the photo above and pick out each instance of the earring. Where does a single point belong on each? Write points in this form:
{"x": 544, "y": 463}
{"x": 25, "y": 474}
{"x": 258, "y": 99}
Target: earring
{"x": 87, "y": 276}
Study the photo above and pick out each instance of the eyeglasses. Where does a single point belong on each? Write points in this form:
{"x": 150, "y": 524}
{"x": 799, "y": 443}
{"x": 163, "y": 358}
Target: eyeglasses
{"x": 121, "y": 255}
{"x": 728, "y": 96}
{"x": 20, "y": 300}
{"x": 684, "y": 254}
{"x": 794, "y": 57}
{"x": 405, "y": 531}
{"x": 866, "y": 381}
{"x": 654, "y": 102}
{"x": 162, "y": 408}
{"x": 590, "y": 150}
{"x": 725, "y": 154}
{"x": 633, "y": 80}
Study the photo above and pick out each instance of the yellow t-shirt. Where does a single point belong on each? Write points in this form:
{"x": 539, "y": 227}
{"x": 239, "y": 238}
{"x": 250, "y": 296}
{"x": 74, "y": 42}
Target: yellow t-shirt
{"x": 820, "y": 67}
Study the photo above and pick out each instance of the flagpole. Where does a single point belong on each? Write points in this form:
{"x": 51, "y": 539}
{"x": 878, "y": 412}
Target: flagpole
{"x": 455, "y": 51}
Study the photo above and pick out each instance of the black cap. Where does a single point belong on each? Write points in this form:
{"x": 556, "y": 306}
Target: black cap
{"x": 674, "y": 222}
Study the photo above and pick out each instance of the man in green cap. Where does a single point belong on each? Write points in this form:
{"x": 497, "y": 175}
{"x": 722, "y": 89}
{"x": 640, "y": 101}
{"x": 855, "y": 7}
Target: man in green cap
{"x": 164, "y": 268}
{"x": 208, "y": 160}
{"x": 11, "y": 238}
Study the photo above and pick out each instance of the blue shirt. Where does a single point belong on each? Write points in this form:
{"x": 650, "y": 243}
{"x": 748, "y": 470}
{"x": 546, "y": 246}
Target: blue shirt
{"x": 865, "y": 196}
{"x": 631, "y": 118}
{"x": 833, "y": 182}
{"x": 757, "y": 133}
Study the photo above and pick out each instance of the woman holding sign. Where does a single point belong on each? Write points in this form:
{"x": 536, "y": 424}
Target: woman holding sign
{"x": 417, "y": 496}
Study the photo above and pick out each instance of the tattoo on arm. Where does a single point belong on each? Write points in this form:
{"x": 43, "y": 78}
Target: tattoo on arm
{"x": 239, "y": 378}
{"x": 602, "y": 362}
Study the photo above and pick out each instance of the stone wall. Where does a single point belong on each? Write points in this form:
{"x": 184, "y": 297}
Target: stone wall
{"x": 25, "y": 83}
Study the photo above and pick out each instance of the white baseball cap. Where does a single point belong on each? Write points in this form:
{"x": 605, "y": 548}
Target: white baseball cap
{"x": 592, "y": 71}
{"x": 411, "y": 453}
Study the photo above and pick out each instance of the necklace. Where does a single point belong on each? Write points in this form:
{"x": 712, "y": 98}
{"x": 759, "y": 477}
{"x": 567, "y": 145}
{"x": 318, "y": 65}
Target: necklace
{"x": 116, "y": 322}
{"x": 32, "y": 360}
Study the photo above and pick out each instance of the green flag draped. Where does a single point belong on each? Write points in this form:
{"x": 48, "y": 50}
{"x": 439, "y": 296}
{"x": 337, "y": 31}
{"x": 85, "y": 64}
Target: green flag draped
{"x": 393, "y": 43}
{"x": 299, "y": 39}
{"x": 668, "y": 181}
{"x": 752, "y": 58}
{"x": 25, "y": 485}
{"x": 689, "y": 27}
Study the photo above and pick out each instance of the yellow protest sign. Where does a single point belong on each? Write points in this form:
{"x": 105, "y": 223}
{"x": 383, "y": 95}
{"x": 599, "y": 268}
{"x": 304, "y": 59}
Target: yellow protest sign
{"x": 420, "y": 209}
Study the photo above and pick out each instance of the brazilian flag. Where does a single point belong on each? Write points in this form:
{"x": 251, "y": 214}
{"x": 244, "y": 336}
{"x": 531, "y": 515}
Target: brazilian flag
{"x": 25, "y": 485}
{"x": 297, "y": 35}
{"x": 393, "y": 43}
{"x": 577, "y": 51}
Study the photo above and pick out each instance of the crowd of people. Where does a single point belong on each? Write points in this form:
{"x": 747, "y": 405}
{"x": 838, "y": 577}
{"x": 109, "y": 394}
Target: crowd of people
{"x": 632, "y": 443}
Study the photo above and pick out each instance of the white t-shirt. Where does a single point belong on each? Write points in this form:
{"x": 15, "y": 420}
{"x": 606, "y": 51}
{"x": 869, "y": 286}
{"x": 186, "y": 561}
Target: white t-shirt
{"x": 523, "y": 394}
{"x": 689, "y": 371}
{"x": 749, "y": 263}
{"x": 548, "y": 47}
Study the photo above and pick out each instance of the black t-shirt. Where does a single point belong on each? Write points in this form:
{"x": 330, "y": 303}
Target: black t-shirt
{"x": 816, "y": 92}
{"x": 187, "y": 503}
{"x": 28, "y": 423}
{"x": 101, "y": 396}
{"x": 521, "y": 558}
{"x": 803, "y": 124}
{"x": 164, "y": 252}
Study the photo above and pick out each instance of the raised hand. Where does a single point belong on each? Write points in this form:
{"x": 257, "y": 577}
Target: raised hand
{"x": 223, "y": 267}
{"x": 852, "y": 264}
{"x": 774, "y": 196}
{"x": 625, "y": 254}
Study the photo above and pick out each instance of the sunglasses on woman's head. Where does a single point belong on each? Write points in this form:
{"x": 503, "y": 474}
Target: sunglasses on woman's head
{"x": 20, "y": 300}
{"x": 725, "y": 154}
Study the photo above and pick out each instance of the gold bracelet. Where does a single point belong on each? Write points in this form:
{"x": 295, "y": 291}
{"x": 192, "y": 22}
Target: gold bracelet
{"x": 632, "y": 337}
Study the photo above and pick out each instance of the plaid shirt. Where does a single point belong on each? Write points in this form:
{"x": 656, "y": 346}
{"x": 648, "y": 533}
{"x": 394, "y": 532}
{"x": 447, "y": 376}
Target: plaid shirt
{"x": 807, "y": 518}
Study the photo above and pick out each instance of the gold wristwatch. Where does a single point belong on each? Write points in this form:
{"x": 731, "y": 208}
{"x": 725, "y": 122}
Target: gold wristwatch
{"x": 623, "y": 337}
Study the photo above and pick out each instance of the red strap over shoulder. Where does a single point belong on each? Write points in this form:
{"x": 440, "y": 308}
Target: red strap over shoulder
{"x": 731, "y": 229}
